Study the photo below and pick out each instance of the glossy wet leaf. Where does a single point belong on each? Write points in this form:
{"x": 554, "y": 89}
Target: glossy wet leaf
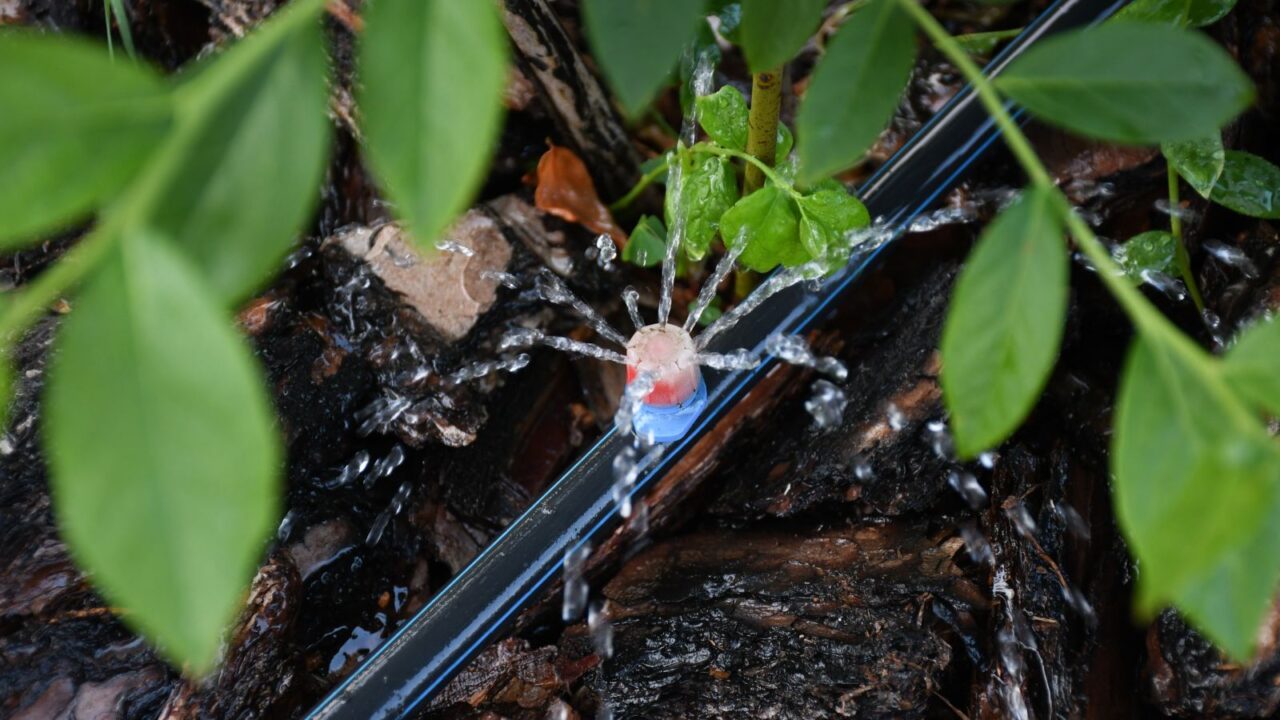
{"x": 639, "y": 42}
{"x": 855, "y": 89}
{"x": 723, "y": 115}
{"x": 769, "y": 222}
{"x": 826, "y": 218}
{"x": 433, "y": 73}
{"x": 241, "y": 172}
{"x": 1004, "y": 327}
{"x": 1128, "y": 82}
{"x": 163, "y": 452}
{"x": 1248, "y": 184}
{"x": 1199, "y": 161}
{"x": 1196, "y": 492}
{"x": 75, "y": 129}
{"x": 1170, "y": 12}
{"x": 647, "y": 244}
{"x": 784, "y": 144}
{"x": 1251, "y": 366}
{"x": 707, "y": 188}
{"x": 566, "y": 190}
{"x": 1206, "y": 12}
{"x": 1151, "y": 251}
{"x": 773, "y": 31}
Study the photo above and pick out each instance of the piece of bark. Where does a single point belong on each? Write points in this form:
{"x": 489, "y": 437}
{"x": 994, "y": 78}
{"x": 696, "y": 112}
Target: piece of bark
{"x": 782, "y": 624}
{"x": 584, "y": 116}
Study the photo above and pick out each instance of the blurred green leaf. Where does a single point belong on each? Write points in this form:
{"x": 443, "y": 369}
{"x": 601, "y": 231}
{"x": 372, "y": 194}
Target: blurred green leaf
{"x": 1171, "y": 12}
{"x": 647, "y": 244}
{"x": 1207, "y": 12}
{"x": 773, "y": 31}
{"x": 434, "y": 72}
{"x": 1199, "y": 161}
{"x": 855, "y": 89}
{"x": 1004, "y": 326}
{"x": 1151, "y": 251}
{"x": 74, "y": 130}
{"x": 723, "y": 115}
{"x": 114, "y": 9}
{"x": 706, "y": 190}
{"x": 1250, "y": 366}
{"x": 1191, "y": 463}
{"x": 637, "y": 43}
{"x": 1248, "y": 184}
{"x": 826, "y": 218}
{"x": 163, "y": 451}
{"x": 1129, "y": 82}
{"x": 984, "y": 43}
{"x": 768, "y": 221}
{"x": 240, "y": 174}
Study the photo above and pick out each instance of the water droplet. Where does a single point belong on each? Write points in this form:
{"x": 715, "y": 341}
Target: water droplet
{"x": 988, "y": 459}
{"x": 976, "y": 544}
{"x": 455, "y": 247}
{"x": 1232, "y": 256}
{"x": 575, "y": 585}
{"x": 826, "y": 405}
{"x": 968, "y": 487}
{"x": 631, "y": 298}
{"x": 601, "y": 630}
{"x": 1022, "y": 520}
{"x": 1075, "y": 524}
{"x": 862, "y": 469}
{"x": 606, "y": 251}
{"x": 940, "y": 439}
{"x": 286, "y": 526}
{"x": 895, "y": 417}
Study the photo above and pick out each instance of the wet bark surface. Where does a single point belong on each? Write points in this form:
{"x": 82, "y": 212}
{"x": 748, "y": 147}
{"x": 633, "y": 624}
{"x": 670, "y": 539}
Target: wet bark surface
{"x": 787, "y": 572}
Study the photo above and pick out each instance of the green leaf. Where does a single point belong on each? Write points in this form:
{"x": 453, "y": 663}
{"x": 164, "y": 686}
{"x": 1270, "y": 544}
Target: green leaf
{"x": 984, "y": 43}
{"x": 1199, "y": 161}
{"x": 855, "y": 89}
{"x": 1151, "y": 251}
{"x": 784, "y": 144}
{"x": 1196, "y": 480}
{"x": 434, "y": 73}
{"x": 1130, "y": 82}
{"x": 1004, "y": 327}
{"x": 723, "y": 114}
{"x": 240, "y": 174}
{"x": 1169, "y": 12}
{"x": 162, "y": 447}
{"x": 710, "y": 313}
{"x": 773, "y": 31}
{"x": 1250, "y": 366}
{"x": 826, "y": 218}
{"x": 706, "y": 189}
{"x": 638, "y": 42}
{"x": 647, "y": 244}
{"x": 1248, "y": 185}
{"x": 1207, "y": 12}
{"x": 75, "y": 128}
{"x": 768, "y": 221}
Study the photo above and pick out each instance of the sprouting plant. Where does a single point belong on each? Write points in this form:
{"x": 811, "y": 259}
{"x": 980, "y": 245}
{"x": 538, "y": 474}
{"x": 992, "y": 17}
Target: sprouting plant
{"x": 1197, "y": 475}
{"x": 163, "y": 451}
{"x": 113, "y": 10}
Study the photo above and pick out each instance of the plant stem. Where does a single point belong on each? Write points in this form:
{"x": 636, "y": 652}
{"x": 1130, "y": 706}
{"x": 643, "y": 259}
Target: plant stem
{"x": 35, "y": 298}
{"x": 644, "y": 182}
{"x": 1144, "y": 315}
{"x": 762, "y": 126}
{"x": 751, "y": 161}
{"x": 1180, "y": 248}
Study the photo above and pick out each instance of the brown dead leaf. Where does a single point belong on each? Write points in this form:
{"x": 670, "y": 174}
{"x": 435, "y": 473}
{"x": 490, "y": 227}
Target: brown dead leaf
{"x": 565, "y": 189}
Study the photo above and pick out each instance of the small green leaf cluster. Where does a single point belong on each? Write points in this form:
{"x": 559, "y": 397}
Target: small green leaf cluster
{"x": 778, "y": 224}
{"x": 163, "y": 450}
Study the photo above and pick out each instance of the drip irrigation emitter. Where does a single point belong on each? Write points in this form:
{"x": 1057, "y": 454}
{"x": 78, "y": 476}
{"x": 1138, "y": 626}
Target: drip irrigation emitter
{"x": 513, "y": 571}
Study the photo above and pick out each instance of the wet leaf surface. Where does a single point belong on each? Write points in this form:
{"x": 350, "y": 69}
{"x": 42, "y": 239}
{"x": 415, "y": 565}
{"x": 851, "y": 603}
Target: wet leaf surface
{"x": 1200, "y": 161}
{"x": 1154, "y": 251}
{"x": 707, "y": 188}
{"x": 1248, "y": 184}
{"x": 768, "y": 221}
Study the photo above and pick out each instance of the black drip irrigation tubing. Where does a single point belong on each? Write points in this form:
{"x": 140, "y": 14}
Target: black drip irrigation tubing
{"x": 512, "y": 571}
